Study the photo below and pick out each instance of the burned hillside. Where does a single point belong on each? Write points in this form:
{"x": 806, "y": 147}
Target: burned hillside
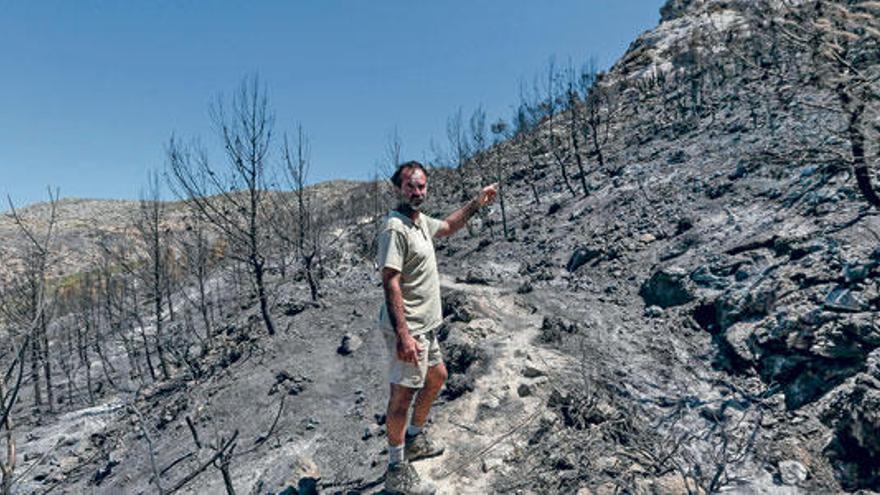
{"x": 676, "y": 293}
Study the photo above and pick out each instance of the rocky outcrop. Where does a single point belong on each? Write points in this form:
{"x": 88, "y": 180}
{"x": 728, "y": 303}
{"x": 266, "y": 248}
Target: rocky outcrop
{"x": 853, "y": 413}
{"x": 667, "y": 287}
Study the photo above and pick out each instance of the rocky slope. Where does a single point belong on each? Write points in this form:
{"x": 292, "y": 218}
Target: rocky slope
{"x": 702, "y": 318}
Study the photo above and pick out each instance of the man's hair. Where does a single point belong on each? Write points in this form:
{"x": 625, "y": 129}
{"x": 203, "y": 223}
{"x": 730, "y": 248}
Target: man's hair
{"x": 397, "y": 178}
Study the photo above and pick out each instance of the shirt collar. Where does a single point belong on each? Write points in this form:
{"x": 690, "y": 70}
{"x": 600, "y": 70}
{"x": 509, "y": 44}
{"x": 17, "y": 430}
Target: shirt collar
{"x": 407, "y": 220}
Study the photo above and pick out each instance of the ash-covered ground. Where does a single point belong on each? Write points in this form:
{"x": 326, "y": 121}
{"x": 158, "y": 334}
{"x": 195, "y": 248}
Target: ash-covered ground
{"x": 702, "y": 316}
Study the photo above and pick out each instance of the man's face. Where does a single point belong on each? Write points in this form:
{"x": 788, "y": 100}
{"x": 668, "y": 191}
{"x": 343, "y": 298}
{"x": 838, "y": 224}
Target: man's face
{"x": 413, "y": 188}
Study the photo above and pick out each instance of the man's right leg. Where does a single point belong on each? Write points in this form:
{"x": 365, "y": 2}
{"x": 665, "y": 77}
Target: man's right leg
{"x": 401, "y": 477}
{"x": 396, "y": 416}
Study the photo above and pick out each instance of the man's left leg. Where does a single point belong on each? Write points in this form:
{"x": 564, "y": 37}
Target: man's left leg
{"x": 434, "y": 381}
{"x": 419, "y": 445}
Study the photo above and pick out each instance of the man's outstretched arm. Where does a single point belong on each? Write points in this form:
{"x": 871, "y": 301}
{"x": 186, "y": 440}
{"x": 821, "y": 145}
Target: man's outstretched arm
{"x": 457, "y": 219}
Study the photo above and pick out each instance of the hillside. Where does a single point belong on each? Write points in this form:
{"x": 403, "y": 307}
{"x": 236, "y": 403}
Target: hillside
{"x": 82, "y": 223}
{"x": 696, "y": 312}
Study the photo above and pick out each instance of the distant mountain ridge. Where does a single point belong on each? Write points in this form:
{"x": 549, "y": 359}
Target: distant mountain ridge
{"x": 81, "y": 222}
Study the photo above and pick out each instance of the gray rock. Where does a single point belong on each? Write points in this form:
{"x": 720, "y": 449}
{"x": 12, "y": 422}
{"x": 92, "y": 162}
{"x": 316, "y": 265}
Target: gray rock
{"x": 300, "y": 475}
{"x": 524, "y": 390}
{"x": 857, "y": 272}
{"x": 350, "y": 343}
{"x": 739, "y": 337}
{"x": 653, "y": 311}
{"x": 792, "y": 472}
{"x": 294, "y": 307}
{"x": 842, "y": 299}
{"x": 580, "y": 257}
{"x": 703, "y": 277}
{"x": 740, "y": 303}
{"x": 532, "y": 372}
{"x": 872, "y": 364}
{"x": 371, "y": 431}
{"x": 479, "y": 276}
{"x": 458, "y": 306}
{"x": 491, "y": 464}
{"x": 553, "y": 327}
{"x": 667, "y": 287}
{"x": 673, "y": 9}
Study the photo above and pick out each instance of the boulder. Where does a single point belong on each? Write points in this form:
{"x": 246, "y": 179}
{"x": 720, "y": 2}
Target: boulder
{"x": 524, "y": 390}
{"x": 297, "y": 474}
{"x": 460, "y": 353}
{"x": 739, "y": 338}
{"x": 350, "y": 343}
{"x": 842, "y": 299}
{"x": 458, "y": 306}
{"x": 480, "y": 328}
{"x": 792, "y": 472}
{"x": 853, "y": 412}
{"x": 479, "y": 276}
{"x": 846, "y": 339}
{"x": 704, "y": 277}
{"x": 653, "y": 311}
{"x": 857, "y": 272}
{"x": 666, "y": 288}
{"x": 737, "y": 304}
{"x": 491, "y": 464}
{"x": 458, "y": 385}
{"x": 581, "y": 256}
{"x": 294, "y": 307}
{"x": 532, "y": 372}
{"x": 553, "y": 327}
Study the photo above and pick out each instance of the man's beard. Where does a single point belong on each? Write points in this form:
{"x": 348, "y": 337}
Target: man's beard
{"x": 410, "y": 205}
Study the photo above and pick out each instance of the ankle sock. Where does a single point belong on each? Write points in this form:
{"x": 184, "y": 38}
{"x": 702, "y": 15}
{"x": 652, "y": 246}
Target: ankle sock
{"x": 413, "y": 430}
{"x": 395, "y": 454}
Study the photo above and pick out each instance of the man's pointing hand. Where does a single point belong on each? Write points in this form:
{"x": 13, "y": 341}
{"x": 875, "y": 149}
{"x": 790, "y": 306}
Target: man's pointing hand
{"x": 487, "y": 195}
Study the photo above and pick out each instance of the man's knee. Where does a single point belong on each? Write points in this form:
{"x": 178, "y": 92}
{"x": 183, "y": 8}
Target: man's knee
{"x": 437, "y": 375}
{"x": 400, "y": 399}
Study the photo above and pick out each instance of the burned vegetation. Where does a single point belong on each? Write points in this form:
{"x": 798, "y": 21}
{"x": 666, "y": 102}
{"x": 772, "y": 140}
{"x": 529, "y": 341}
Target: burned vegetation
{"x": 677, "y": 292}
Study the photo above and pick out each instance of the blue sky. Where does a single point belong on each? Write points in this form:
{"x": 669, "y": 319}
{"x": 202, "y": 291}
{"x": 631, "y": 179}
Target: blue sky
{"x": 91, "y": 91}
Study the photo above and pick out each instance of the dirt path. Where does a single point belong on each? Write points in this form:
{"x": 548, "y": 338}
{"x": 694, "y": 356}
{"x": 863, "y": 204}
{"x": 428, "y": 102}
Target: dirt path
{"x": 485, "y": 427}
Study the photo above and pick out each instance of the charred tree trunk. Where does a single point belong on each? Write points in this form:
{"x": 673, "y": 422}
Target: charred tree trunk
{"x": 573, "y": 133}
{"x": 7, "y": 468}
{"x": 160, "y": 347}
{"x": 533, "y": 167}
{"x": 35, "y": 371}
{"x": 83, "y": 352}
{"x": 144, "y": 340}
{"x": 47, "y": 365}
{"x": 257, "y": 264}
{"x": 856, "y": 135}
{"x": 203, "y": 304}
{"x": 168, "y": 290}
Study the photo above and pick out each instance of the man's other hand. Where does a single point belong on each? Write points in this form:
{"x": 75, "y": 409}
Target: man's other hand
{"x": 487, "y": 195}
{"x": 408, "y": 349}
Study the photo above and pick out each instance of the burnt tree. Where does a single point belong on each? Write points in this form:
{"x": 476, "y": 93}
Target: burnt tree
{"x": 233, "y": 198}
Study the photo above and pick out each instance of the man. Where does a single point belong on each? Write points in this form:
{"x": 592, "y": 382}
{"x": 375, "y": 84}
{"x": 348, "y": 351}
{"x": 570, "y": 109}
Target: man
{"x": 409, "y": 320}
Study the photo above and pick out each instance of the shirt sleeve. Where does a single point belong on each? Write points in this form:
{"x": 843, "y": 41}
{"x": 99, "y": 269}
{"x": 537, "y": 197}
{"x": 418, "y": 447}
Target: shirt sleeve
{"x": 433, "y": 225}
{"x": 392, "y": 249}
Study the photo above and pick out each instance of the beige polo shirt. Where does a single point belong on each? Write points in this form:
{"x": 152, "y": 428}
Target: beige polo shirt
{"x": 408, "y": 248}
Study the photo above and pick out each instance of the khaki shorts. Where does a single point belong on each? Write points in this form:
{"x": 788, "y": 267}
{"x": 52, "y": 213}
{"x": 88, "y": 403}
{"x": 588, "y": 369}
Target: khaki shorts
{"x": 408, "y": 374}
